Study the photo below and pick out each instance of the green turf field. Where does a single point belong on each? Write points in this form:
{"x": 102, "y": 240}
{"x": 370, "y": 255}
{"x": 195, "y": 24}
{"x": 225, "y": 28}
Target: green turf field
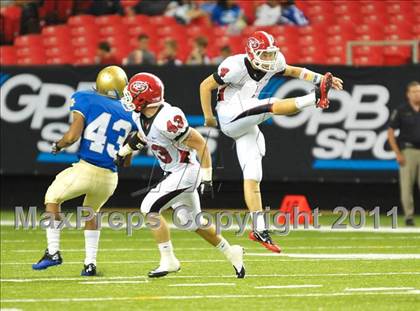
{"x": 317, "y": 271}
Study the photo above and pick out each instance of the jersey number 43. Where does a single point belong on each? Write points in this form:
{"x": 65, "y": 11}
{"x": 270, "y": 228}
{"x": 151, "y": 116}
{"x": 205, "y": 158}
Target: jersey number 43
{"x": 97, "y": 132}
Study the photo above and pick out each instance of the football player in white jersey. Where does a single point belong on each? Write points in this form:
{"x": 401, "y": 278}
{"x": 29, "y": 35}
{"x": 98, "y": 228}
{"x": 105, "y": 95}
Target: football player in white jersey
{"x": 164, "y": 129}
{"x": 239, "y": 80}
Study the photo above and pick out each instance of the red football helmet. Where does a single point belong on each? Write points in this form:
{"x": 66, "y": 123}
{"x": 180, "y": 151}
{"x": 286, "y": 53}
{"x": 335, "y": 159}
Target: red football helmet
{"x": 143, "y": 89}
{"x": 262, "y": 51}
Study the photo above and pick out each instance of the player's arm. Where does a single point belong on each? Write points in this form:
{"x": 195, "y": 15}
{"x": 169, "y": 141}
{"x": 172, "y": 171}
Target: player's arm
{"x": 72, "y": 135}
{"x": 310, "y": 76}
{"x": 133, "y": 142}
{"x": 196, "y": 141}
{"x": 206, "y": 87}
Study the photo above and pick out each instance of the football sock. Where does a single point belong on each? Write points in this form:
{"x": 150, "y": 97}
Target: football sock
{"x": 258, "y": 222}
{"x": 166, "y": 250}
{"x": 305, "y": 101}
{"x": 224, "y": 247}
{"x": 91, "y": 245}
{"x": 53, "y": 238}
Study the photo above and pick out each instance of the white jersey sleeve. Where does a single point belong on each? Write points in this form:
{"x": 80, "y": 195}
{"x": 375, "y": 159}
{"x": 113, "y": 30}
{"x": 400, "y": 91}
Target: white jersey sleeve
{"x": 173, "y": 125}
{"x": 229, "y": 71}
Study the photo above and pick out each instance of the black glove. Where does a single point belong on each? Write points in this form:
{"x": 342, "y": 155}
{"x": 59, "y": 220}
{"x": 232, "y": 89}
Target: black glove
{"x": 119, "y": 160}
{"x": 54, "y": 148}
{"x": 206, "y": 189}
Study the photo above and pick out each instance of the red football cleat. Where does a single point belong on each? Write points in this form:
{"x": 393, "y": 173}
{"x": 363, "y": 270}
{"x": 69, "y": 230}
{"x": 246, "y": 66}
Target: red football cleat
{"x": 322, "y": 91}
{"x": 265, "y": 239}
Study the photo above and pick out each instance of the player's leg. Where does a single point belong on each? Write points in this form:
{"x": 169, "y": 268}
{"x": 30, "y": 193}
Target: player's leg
{"x": 240, "y": 114}
{"x": 250, "y": 149}
{"x": 67, "y": 185}
{"x": 103, "y": 185}
{"x": 157, "y": 200}
{"x": 189, "y": 204}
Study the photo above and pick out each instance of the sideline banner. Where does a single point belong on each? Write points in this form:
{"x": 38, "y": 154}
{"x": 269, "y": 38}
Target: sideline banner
{"x": 345, "y": 143}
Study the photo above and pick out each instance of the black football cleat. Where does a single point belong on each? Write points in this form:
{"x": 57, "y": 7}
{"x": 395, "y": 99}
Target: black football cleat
{"x": 48, "y": 261}
{"x": 89, "y": 270}
{"x": 264, "y": 238}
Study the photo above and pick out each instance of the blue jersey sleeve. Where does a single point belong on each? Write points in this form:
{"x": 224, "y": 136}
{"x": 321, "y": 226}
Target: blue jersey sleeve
{"x": 79, "y": 103}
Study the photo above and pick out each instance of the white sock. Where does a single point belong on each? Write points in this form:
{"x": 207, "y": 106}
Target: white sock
{"x": 305, "y": 101}
{"x": 258, "y": 221}
{"x": 53, "y": 238}
{"x": 224, "y": 247}
{"x": 166, "y": 251}
{"x": 91, "y": 245}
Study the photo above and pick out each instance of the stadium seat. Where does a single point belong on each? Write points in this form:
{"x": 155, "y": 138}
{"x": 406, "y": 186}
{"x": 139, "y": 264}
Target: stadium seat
{"x": 162, "y": 20}
{"x": 36, "y": 58}
{"x": 81, "y": 20}
{"x": 29, "y": 41}
{"x": 108, "y": 20}
{"x": 368, "y": 61}
{"x": 85, "y": 51}
{"x": 58, "y": 31}
{"x": 335, "y": 60}
{"x": 135, "y": 20}
{"x": 88, "y": 30}
{"x": 8, "y": 55}
{"x": 86, "y": 60}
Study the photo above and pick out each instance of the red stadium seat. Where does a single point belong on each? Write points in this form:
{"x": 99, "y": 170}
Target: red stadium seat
{"x": 58, "y": 31}
{"x": 174, "y": 31}
{"x": 8, "y": 55}
{"x": 88, "y": 30}
{"x": 162, "y": 20}
{"x": 81, "y": 20}
{"x": 37, "y": 57}
{"x": 136, "y": 20}
{"x": 108, "y": 20}
{"x": 368, "y": 60}
{"x": 85, "y": 51}
{"x": 29, "y": 41}
{"x": 373, "y": 7}
{"x": 85, "y": 61}
{"x": 112, "y": 30}
{"x": 335, "y": 60}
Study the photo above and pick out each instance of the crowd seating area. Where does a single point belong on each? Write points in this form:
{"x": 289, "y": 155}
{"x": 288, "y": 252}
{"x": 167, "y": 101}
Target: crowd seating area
{"x": 332, "y": 24}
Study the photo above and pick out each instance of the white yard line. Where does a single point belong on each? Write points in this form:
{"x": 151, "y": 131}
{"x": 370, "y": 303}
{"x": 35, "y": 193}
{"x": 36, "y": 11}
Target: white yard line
{"x": 409, "y": 273}
{"x": 194, "y": 297}
{"x": 141, "y": 277}
{"x": 373, "y": 289}
{"x": 201, "y": 284}
{"x": 113, "y": 282}
{"x": 150, "y": 249}
{"x": 351, "y": 256}
{"x": 287, "y": 286}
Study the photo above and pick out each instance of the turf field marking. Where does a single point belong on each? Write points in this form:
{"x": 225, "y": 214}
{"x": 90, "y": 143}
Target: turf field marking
{"x": 370, "y": 289}
{"x": 265, "y": 296}
{"x": 410, "y": 273}
{"x": 113, "y": 282}
{"x": 341, "y": 256}
{"x": 141, "y": 277}
{"x": 151, "y": 249}
{"x": 287, "y": 286}
{"x": 201, "y": 284}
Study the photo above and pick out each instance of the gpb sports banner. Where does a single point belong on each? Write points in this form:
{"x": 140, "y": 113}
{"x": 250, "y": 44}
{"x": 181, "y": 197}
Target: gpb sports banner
{"x": 346, "y": 142}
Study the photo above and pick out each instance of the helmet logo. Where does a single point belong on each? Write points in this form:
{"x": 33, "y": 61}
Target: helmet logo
{"x": 138, "y": 87}
{"x": 253, "y": 43}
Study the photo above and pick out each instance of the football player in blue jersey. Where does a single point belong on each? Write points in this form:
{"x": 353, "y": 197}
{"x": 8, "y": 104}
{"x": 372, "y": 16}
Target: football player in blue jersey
{"x": 102, "y": 124}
